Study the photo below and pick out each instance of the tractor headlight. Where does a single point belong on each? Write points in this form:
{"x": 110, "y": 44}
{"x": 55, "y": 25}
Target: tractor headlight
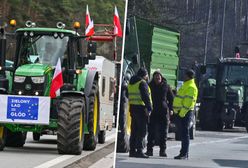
{"x": 19, "y": 79}
{"x": 38, "y": 79}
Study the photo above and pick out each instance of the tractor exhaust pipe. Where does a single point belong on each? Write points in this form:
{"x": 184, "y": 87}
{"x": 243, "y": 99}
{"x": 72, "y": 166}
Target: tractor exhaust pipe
{"x": 2, "y": 49}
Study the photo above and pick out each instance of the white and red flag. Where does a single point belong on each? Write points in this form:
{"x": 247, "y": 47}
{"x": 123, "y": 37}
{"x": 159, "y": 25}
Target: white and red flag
{"x": 89, "y": 24}
{"x": 117, "y": 24}
{"x": 57, "y": 81}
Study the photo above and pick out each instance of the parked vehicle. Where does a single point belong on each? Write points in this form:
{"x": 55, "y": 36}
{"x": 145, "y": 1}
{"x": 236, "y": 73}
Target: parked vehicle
{"x": 223, "y": 97}
{"x": 26, "y": 105}
{"x": 106, "y": 83}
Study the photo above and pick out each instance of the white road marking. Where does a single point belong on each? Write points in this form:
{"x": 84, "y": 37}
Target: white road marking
{"x": 55, "y": 161}
{"x": 210, "y": 142}
{"x": 63, "y": 158}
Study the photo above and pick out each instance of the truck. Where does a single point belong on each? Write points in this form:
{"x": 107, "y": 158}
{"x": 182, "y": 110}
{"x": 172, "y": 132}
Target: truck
{"x": 106, "y": 83}
{"x": 74, "y": 115}
{"x": 223, "y": 94}
{"x": 154, "y": 47}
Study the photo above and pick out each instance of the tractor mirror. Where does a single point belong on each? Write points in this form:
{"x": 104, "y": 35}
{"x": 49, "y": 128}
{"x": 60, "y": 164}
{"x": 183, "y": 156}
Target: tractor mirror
{"x": 86, "y": 60}
{"x": 91, "y": 50}
{"x": 203, "y": 69}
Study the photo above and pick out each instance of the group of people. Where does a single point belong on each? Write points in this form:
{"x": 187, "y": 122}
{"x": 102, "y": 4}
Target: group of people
{"x": 151, "y": 105}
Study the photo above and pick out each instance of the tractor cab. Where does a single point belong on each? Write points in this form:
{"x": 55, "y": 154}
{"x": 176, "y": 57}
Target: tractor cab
{"x": 224, "y": 94}
{"x": 37, "y": 53}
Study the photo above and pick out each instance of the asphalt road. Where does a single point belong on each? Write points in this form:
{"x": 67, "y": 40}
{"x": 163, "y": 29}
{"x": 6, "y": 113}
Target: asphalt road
{"x": 43, "y": 154}
{"x": 208, "y": 150}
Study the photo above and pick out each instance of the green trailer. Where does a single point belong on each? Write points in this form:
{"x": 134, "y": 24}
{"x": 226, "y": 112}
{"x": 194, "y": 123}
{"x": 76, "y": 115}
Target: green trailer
{"x": 153, "y": 47}
{"x": 157, "y": 48}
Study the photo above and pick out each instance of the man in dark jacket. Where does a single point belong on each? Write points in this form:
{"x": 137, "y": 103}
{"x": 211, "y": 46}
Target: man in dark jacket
{"x": 162, "y": 98}
{"x": 140, "y": 108}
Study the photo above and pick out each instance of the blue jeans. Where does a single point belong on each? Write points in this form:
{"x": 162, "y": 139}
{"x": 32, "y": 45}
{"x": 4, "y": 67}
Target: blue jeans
{"x": 185, "y": 137}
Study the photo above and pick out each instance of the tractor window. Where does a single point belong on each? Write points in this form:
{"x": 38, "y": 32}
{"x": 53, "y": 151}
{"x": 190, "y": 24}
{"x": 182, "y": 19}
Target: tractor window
{"x": 103, "y": 86}
{"x": 42, "y": 49}
{"x": 235, "y": 75}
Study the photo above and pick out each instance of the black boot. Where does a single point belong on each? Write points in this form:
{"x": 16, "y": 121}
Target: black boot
{"x": 162, "y": 153}
{"x": 181, "y": 157}
{"x": 132, "y": 153}
{"x": 149, "y": 152}
{"x": 140, "y": 154}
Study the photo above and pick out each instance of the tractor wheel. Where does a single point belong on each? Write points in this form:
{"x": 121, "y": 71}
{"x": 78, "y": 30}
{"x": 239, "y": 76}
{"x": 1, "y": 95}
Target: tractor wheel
{"x": 102, "y": 137}
{"x": 36, "y": 136}
{"x": 246, "y": 126}
{"x": 70, "y": 135}
{"x": 93, "y": 119}
{"x": 122, "y": 142}
{"x": 2, "y": 138}
{"x": 209, "y": 115}
{"x": 15, "y": 139}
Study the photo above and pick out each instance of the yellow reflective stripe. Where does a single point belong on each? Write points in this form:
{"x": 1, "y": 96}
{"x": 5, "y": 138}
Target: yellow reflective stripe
{"x": 178, "y": 96}
{"x": 191, "y": 97}
{"x": 187, "y": 108}
{"x": 183, "y": 97}
{"x": 134, "y": 99}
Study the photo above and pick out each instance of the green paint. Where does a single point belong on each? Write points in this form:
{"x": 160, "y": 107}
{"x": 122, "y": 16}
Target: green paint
{"x": 32, "y": 70}
{"x": 81, "y": 79}
{"x": 31, "y": 128}
{"x": 86, "y": 130}
{"x": 46, "y": 30}
{"x": 49, "y": 73}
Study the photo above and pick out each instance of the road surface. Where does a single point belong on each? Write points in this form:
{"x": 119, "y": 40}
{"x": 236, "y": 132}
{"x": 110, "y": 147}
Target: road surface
{"x": 208, "y": 150}
{"x": 43, "y": 154}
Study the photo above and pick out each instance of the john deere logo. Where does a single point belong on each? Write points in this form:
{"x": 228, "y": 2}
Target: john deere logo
{"x": 28, "y": 87}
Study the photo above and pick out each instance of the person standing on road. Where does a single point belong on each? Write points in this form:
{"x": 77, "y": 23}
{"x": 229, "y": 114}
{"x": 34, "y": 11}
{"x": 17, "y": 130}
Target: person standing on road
{"x": 162, "y": 98}
{"x": 139, "y": 97}
{"x": 183, "y": 106}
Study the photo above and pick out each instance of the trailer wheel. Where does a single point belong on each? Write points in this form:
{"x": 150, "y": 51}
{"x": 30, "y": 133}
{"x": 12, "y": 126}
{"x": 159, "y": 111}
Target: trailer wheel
{"x": 93, "y": 119}
{"x": 102, "y": 137}
{"x": 2, "y": 138}
{"x": 36, "y": 136}
{"x": 246, "y": 126}
{"x": 70, "y": 135}
{"x": 15, "y": 139}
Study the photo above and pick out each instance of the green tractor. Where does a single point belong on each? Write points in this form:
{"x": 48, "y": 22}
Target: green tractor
{"x": 25, "y": 88}
{"x": 224, "y": 94}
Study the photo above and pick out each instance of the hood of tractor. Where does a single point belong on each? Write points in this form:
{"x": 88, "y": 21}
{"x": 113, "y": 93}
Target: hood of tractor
{"x": 32, "y": 70}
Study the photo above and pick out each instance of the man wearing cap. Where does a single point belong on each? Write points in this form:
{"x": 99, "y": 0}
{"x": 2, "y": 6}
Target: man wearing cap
{"x": 162, "y": 98}
{"x": 139, "y": 97}
{"x": 183, "y": 106}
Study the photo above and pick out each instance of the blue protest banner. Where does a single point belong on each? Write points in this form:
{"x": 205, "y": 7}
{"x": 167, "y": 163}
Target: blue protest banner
{"x": 22, "y": 108}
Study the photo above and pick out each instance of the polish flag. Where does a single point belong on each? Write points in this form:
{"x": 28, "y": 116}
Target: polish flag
{"x": 117, "y": 24}
{"x": 57, "y": 81}
{"x": 89, "y": 24}
{"x": 90, "y": 29}
{"x": 87, "y": 18}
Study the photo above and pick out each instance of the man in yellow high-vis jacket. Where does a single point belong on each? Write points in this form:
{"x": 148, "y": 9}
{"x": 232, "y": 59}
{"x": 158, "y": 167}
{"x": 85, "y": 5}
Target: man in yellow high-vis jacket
{"x": 183, "y": 106}
{"x": 139, "y": 97}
